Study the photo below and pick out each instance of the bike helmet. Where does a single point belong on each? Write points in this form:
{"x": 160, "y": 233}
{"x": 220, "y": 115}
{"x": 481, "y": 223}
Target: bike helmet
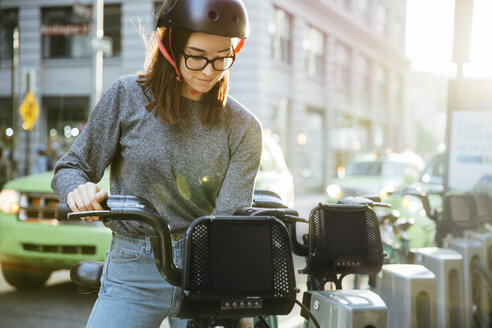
{"x": 219, "y": 17}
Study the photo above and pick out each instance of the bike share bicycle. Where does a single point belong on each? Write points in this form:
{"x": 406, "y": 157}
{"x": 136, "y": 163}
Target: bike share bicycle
{"x": 241, "y": 266}
{"x": 234, "y": 266}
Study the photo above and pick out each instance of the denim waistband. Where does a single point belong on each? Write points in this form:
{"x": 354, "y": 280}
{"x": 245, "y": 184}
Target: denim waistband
{"x": 145, "y": 240}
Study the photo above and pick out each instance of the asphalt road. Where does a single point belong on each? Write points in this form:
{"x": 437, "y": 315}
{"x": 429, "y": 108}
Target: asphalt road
{"x": 59, "y": 305}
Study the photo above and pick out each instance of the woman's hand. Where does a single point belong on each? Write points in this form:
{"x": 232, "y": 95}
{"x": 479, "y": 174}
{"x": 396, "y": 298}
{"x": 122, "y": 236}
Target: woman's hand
{"x": 87, "y": 197}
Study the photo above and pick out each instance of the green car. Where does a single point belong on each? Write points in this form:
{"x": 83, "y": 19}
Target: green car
{"x": 33, "y": 243}
{"x": 374, "y": 174}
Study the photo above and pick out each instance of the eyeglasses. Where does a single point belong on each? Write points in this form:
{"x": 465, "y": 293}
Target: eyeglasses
{"x": 197, "y": 63}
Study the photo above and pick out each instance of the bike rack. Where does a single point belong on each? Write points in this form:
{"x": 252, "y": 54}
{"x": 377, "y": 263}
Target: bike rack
{"x": 409, "y": 291}
{"x": 347, "y": 308}
{"x": 475, "y": 302}
{"x": 343, "y": 239}
{"x": 464, "y": 216}
{"x": 447, "y": 265}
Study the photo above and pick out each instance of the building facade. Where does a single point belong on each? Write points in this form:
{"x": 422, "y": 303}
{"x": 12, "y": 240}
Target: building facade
{"x": 326, "y": 77}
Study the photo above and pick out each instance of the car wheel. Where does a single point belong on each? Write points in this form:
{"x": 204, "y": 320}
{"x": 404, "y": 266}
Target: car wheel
{"x": 24, "y": 277}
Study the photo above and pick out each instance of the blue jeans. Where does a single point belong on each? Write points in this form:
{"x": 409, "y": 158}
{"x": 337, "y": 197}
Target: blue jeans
{"x": 133, "y": 293}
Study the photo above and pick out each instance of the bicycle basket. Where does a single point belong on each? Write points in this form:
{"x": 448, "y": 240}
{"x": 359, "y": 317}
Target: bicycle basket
{"x": 344, "y": 239}
{"x": 237, "y": 266}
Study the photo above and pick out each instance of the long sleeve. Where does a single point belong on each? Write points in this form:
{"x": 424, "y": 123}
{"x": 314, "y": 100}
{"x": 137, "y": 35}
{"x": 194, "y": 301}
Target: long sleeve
{"x": 237, "y": 188}
{"x": 185, "y": 170}
{"x": 93, "y": 150}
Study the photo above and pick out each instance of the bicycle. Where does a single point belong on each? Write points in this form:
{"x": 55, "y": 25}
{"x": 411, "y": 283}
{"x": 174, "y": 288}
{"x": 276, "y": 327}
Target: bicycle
{"x": 343, "y": 239}
{"x": 203, "y": 302}
{"x": 219, "y": 287}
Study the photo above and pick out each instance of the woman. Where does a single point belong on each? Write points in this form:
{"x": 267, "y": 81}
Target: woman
{"x": 174, "y": 137}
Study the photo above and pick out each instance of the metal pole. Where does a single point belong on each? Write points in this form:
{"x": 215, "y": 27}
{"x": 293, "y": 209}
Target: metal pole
{"x": 27, "y": 162}
{"x": 97, "y": 55}
{"x": 15, "y": 69}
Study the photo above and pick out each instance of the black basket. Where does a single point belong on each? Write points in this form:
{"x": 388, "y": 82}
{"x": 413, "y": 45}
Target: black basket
{"x": 237, "y": 267}
{"x": 344, "y": 239}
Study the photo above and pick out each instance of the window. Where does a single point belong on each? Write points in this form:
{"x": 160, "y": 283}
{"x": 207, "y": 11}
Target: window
{"x": 381, "y": 17}
{"x": 67, "y": 35}
{"x": 380, "y": 85}
{"x": 399, "y": 33}
{"x": 282, "y": 116}
{"x": 345, "y": 4}
{"x": 5, "y": 114}
{"x": 364, "y": 78}
{"x": 64, "y": 34}
{"x": 112, "y": 26}
{"x": 399, "y": 91}
{"x": 280, "y": 27}
{"x": 5, "y": 120}
{"x": 62, "y": 111}
{"x": 314, "y": 149}
{"x": 342, "y": 67}
{"x": 8, "y": 21}
{"x": 66, "y": 117}
{"x": 362, "y": 10}
{"x": 313, "y": 47}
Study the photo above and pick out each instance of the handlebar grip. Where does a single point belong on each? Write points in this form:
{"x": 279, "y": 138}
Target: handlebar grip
{"x": 62, "y": 211}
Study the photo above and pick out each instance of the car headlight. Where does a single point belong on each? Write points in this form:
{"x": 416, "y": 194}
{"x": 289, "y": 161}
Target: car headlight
{"x": 9, "y": 201}
{"x": 334, "y": 191}
{"x": 412, "y": 203}
{"x": 383, "y": 194}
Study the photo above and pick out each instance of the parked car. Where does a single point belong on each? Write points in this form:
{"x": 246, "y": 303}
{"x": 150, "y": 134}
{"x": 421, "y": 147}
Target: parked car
{"x": 385, "y": 176}
{"x": 33, "y": 243}
{"x": 274, "y": 174}
{"x": 374, "y": 174}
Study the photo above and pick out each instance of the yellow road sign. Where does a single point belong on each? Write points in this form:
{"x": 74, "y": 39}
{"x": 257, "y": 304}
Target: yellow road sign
{"x": 29, "y": 111}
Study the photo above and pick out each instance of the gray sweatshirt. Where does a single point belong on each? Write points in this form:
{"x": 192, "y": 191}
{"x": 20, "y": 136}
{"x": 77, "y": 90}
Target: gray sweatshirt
{"x": 185, "y": 170}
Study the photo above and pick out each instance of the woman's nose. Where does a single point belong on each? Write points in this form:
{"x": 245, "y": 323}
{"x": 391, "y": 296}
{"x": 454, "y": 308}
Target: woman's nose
{"x": 208, "y": 70}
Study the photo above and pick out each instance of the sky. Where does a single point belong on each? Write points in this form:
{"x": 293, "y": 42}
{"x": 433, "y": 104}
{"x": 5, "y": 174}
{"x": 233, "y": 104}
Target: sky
{"x": 430, "y": 37}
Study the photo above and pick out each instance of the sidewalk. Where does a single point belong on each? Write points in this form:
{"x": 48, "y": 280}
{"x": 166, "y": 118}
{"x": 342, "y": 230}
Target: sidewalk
{"x": 304, "y": 203}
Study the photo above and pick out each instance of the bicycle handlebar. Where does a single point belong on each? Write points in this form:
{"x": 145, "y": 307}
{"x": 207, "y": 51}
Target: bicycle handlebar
{"x": 136, "y": 209}
{"x": 358, "y": 200}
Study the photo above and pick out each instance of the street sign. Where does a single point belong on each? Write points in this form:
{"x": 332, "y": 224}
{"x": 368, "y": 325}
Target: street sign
{"x": 70, "y": 29}
{"x": 105, "y": 44}
{"x": 29, "y": 111}
{"x": 468, "y": 165}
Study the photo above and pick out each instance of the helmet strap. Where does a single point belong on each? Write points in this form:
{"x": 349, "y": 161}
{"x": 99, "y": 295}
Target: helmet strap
{"x": 166, "y": 55}
{"x": 239, "y": 46}
{"x": 171, "y": 59}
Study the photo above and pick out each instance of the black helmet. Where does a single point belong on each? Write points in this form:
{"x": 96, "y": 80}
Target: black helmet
{"x": 218, "y": 17}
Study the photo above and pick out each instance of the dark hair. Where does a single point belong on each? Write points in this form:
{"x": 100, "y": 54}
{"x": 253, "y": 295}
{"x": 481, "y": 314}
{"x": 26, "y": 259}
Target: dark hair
{"x": 160, "y": 82}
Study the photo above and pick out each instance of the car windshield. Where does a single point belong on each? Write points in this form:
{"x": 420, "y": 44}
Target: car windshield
{"x": 381, "y": 169}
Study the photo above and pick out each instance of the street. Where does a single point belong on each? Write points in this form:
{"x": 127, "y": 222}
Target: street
{"x": 57, "y": 305}
{"x": 60, "y": 305}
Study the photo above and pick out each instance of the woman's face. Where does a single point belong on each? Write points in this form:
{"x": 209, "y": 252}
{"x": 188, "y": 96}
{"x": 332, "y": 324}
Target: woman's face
{"x": 208, "y": 46}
